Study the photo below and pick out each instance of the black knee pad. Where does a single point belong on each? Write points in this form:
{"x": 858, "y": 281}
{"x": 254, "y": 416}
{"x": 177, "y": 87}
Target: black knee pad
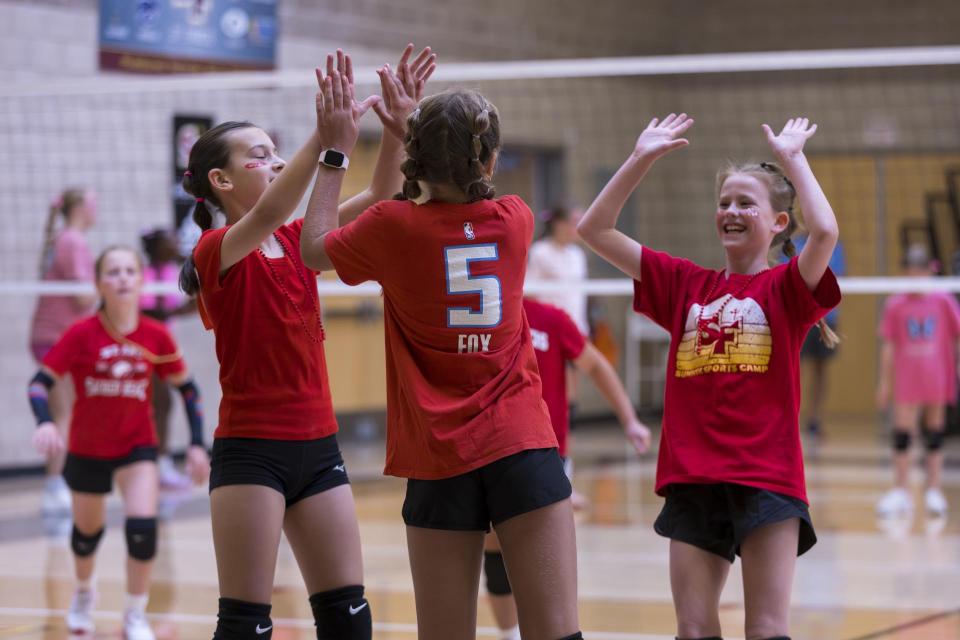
{"x": 710, "y": 638}
{"x": 497, "y": 582}
{"x": 577, "y": 636}
{"x": 933, "y": 440}
{"x": 239, "y": 620}
{"x": 342, "y": 614}
{"x": 84, "y": 545}
{"x": 901, "y": 440}
{"x": 141, "y": 538}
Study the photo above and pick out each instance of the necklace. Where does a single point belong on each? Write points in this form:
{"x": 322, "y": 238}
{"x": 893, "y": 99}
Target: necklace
{"x": 147, "y": 355}
{"x": 703, "y": 323}
{"x": 314, "y": 337}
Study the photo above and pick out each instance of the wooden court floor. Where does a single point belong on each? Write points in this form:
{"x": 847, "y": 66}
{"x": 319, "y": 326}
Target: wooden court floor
{"x": 864, "y": 579}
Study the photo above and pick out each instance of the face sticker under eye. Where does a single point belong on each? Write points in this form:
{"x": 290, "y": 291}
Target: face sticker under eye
{"x": 752, "y": 211}
{"x": 255, "y": 165}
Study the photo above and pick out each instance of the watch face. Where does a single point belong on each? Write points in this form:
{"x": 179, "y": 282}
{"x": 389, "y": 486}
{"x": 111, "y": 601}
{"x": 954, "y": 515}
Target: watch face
{"x": 333, "y": 158}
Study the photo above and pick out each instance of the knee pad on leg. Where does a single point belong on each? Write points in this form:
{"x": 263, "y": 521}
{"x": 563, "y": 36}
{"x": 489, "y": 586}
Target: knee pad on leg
{"x": 710, "y": 638}
{"x": 577, "y": 636}
{"x": 497, "y": 582}
{"x": 342, "y": 614}
{"x": 84, "y": 545}
{"x": 901, "y": 440}
{"x": 141, "y": 538}
{"x": 239, "y": 620}
{"x": 933, "y": 440}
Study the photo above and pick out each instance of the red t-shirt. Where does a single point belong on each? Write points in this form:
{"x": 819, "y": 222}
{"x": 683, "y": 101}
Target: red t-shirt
{"x": 265, "y": 314}
{"x": 113, "y": 413}
{"x": 730, "y": 412}
{"x": 462, "y": 383}
{"x": 556, "y": 340}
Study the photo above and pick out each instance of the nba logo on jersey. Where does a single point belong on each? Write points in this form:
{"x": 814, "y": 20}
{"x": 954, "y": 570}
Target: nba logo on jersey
{"x": 468, "y": 231}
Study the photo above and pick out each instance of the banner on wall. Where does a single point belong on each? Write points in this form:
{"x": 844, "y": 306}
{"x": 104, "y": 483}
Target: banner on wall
{"x": 186, "y": 130}
{"x": 187, "y": 36}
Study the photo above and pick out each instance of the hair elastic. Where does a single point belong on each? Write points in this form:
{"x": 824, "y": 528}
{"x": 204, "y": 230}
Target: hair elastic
{"x": 188, "y": 174}
{"x": 199, "y": 200}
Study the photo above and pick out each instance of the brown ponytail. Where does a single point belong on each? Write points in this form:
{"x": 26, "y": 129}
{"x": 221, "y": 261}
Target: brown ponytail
{"x": 210, "y": 151}
{"x": 64, "y": 203}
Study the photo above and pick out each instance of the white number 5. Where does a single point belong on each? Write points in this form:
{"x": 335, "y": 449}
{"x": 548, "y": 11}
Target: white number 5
{"x": 459, "y": 282}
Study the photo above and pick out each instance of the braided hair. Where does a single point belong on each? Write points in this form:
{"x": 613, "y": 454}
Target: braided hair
{"x": 450, "y": 139}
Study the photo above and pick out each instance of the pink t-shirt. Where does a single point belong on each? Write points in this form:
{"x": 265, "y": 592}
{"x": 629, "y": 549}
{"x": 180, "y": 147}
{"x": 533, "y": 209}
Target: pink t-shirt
{"x": 168, "y": 272}
{"x": 923, "y": 330}
{"x": 71, "y": 260}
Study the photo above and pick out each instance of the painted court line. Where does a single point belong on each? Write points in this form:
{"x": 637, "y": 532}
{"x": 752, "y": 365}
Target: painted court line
{"x": 395, "y": 627}
{"x": 912, "y": 624}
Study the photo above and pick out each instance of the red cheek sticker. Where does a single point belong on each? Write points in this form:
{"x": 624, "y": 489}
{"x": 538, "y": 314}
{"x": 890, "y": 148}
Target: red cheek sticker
{"x": 254, "y": 165}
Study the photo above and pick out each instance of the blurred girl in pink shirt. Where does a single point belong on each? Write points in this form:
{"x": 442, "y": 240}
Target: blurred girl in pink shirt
{"x": 919, "y": 366}
{"x": 65, "y": 256}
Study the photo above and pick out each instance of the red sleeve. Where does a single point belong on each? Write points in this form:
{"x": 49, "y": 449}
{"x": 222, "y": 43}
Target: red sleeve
{"x": 74, "y": 259}
{"x": 887, "y": 320}
{"x": 661, "y": 286}
{"x": 805, "y": 305}
{"x": 61, "y": 356}
{"x": 358, "y": 249}
{"x": 568, "y": 336}
{"x": 165, "y": 347}
{"x": 206, "y": 258}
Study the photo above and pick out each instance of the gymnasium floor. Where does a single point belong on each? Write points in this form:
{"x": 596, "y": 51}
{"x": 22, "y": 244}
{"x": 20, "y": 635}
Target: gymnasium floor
{"x": 862, "y": 580}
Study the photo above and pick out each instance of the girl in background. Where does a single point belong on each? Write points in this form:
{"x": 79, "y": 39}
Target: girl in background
{"x": 163, "y": 267}
{"x": 918, "y": 370}
{"x": 65, "y": 256}
{"x": 112, "y": 357}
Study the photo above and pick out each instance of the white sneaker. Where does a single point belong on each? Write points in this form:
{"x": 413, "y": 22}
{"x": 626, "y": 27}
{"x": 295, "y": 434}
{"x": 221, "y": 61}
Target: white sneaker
{"x": 935, "y": 502}
{"x": 80, "y": 614}
{"x": 56, "y": 499}
{"x": 136, "y": 627}
{"x": 896, "y": 501}
{"x": 170, "y": 476}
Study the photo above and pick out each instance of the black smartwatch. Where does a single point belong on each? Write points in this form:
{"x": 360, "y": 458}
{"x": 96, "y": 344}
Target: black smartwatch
{"x": 334, "y": 159}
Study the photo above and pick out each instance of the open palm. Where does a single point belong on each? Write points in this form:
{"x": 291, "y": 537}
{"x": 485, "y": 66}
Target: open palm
{"x": 791, "y": 139}
{"x": 660, "y": 138}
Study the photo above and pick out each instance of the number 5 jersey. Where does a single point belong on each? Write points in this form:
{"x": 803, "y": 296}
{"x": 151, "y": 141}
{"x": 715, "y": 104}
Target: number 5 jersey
{"x": 462, "y": 384}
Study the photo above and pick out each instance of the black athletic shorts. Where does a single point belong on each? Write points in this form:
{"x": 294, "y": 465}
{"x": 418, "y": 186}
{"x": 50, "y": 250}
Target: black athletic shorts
{"x": 296, "y": 468}
{"x": 95, "y": 475}
{"x": 505, "y": 488}
{"x": 719, "y": 517}
{"x": 813, "y": 346}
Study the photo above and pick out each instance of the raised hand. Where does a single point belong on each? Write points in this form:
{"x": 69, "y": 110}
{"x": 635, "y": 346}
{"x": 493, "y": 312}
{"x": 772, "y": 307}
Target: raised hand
{"x": 660, "y": 138}
{"x": 338, "y": 112}
{"x": 791, "y": 139}
{"x": 403, "y": 89}
{"x": 47, "y": 439}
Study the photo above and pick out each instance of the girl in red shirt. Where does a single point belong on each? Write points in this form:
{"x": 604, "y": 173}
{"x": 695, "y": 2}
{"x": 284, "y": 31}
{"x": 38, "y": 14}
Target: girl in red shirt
{"x": 466, "y": 423}
{"x": 276, "y": 465}
{"x": 730, "y": 463}
{"x": 111, "y": 357}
